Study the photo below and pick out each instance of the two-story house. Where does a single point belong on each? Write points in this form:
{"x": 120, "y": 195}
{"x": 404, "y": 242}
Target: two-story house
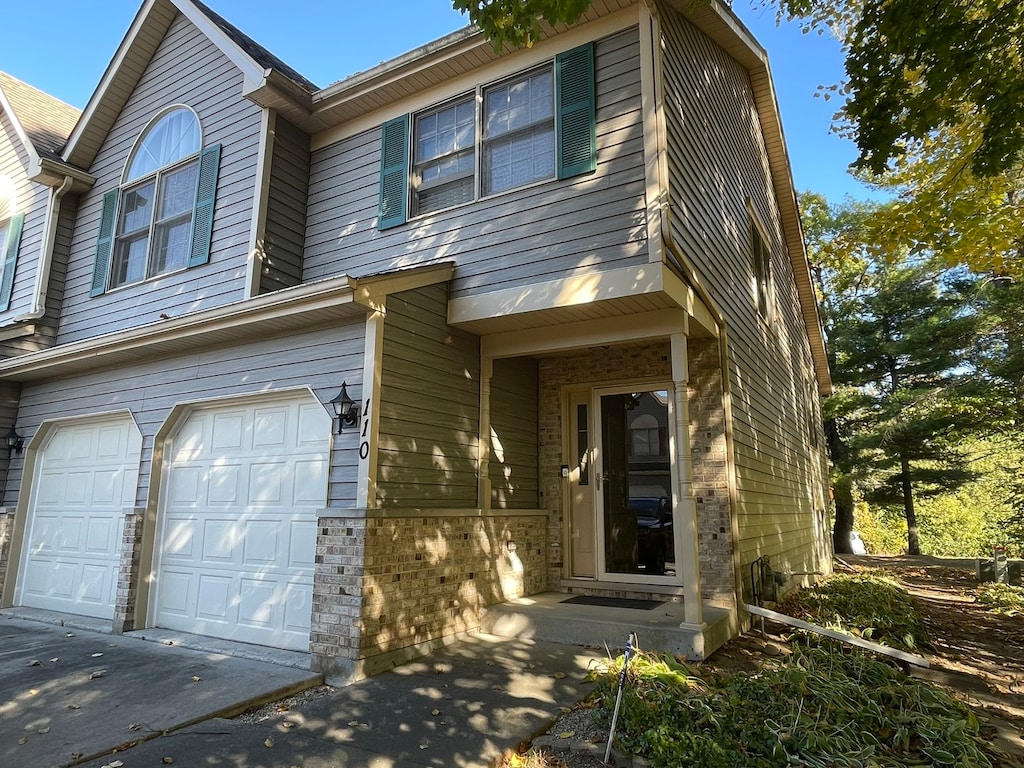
{"x": 340, "y": 369}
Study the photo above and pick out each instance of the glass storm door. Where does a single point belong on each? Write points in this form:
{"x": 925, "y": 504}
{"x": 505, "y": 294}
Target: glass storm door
{"x": 637, "y": 535}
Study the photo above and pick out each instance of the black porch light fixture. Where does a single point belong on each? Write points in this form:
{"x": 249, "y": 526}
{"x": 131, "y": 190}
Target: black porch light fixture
{"x": 345, "y": 408}
{"x": 14, "y": 442}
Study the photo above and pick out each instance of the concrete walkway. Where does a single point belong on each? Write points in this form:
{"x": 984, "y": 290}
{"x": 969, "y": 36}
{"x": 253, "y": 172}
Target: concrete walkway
{"x": 462, "y": 706}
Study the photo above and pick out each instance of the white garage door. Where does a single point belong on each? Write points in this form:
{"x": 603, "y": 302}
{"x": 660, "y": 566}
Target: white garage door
{"x": 238, "y": 521}
{"x": 87, "y": 475}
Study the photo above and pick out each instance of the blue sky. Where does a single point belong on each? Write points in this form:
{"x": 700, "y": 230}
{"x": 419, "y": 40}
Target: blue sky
{"x": 65, "y": 50}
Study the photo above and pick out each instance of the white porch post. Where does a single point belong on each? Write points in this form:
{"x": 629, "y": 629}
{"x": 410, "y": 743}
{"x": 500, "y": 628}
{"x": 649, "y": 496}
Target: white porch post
{"x": 683, "y": 502}
{"x": 369, "y": 407}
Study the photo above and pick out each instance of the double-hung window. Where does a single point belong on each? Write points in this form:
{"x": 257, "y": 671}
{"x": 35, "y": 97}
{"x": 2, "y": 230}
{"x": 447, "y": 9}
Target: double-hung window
{"x": 160, "y": 219}
{"x": 516, "y": 142}
{"x": 519, "y": 132}
{"x": 533, "y": 126}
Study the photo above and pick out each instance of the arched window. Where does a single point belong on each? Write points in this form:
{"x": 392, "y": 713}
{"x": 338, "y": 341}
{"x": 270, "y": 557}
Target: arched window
{"x": 160, "y": 219}
{"x": 647, "y": 436}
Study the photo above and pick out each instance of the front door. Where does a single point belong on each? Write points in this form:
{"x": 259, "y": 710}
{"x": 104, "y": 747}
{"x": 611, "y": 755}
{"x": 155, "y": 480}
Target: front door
{"x": 621, "y": 486}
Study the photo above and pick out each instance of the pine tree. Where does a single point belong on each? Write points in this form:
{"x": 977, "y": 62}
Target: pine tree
{"x": 903, "y": 349}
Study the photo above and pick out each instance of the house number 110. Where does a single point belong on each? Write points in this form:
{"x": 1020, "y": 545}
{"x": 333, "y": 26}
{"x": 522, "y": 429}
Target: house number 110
{"x": 364, "y": 446}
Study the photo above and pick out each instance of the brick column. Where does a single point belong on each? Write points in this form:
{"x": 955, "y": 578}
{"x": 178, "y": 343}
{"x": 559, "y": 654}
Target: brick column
{"x": 128, "y": 571}
{"x": 338, "y": 578}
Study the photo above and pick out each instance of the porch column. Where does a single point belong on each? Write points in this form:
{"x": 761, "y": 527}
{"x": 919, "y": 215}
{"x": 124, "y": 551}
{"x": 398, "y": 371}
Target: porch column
{"x": 683, "y": 502}
{"x": 484, "y": 445}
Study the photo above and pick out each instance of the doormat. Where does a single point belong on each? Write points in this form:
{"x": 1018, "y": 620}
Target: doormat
{"x": 614, "y": 602}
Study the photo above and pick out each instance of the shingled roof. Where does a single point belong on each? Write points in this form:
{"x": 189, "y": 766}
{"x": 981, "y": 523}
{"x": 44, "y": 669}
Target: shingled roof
{"x": 257, "y": 52}
{"x": 46, "y": 120}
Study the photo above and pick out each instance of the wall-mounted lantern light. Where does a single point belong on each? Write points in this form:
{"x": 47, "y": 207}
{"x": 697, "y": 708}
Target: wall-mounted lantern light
{"x": 345, "y": 408}
{"x": 13, "y": 441}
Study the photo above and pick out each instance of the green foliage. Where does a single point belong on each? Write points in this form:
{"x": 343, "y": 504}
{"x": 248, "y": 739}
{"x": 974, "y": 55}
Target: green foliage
{"x": 820, "y": 707}
{"x": 916, "y": 66}
{"x": 883, "y": 530}
{"x": 517, "y": 22}
{"x": 869, "y": 606}
{"x": 1003, "y": 599}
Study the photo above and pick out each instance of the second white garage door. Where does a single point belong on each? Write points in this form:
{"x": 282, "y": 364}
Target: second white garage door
{"x": 235, "y": 547}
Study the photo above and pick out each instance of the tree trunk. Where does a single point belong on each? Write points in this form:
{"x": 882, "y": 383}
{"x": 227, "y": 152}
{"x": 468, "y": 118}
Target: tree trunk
{"x": 843, "y": 492}
{"x": 913, "y": 543}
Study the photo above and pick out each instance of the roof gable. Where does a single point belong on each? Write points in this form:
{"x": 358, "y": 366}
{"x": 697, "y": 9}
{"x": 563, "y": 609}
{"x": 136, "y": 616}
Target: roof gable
{"x": 136, "y": 50}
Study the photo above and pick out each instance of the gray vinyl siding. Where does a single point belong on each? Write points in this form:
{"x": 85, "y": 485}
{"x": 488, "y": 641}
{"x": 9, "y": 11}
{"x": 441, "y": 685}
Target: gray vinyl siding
{"x": 548, "y": 231}
{"x": 320, "y": 359}
{"x": 717, "y": 161}
{"x": 186, "y": 69}
{"x": 429, "y": 405}
{"x": 31, "y": 200}
{"x": 285, "y": 230}
{"x": 513, "y": 466}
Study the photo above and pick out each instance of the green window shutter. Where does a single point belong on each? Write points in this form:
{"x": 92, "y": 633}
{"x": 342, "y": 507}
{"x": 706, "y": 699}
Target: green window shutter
{"x": 14, "y": 228}
{"x": 206, "y": 194}
{"x": 574, "y": 94}
{"x": 104, "y": 243}
{"x": 394, "y": 173}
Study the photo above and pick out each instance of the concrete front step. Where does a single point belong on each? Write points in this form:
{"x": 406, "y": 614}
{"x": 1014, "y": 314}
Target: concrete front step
{"x": 548, "y": 617}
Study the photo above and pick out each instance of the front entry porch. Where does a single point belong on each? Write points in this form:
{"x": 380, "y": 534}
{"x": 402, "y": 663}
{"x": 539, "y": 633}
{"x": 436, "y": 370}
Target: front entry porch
{"x": 660, "y": 626}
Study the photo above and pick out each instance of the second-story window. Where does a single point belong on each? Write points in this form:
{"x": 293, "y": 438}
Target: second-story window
{"x": 534, "y": 126}
{"x": 513, "y": 135}
{"x": 518, "y": 132}
{"x": 160, "y": 218}
{"x": 154, "y": 225}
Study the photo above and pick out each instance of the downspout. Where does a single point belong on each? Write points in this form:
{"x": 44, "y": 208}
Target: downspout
{"x": 46, "y": 257}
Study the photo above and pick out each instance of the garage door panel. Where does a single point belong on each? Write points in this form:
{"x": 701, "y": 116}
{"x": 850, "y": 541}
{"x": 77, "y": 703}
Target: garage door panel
{"x": 178, "y": 544}
{"x": 214, "y": 597}
{"x": 219, "y": 542}
{"x": 76, "y": 487}
{"x": 176, "y": 588}
{"x": 224, "y": 484}
{"x": 259, "y": 604}
{"x": 297, "y": 606}
{"x": 99, "y": 537}
{"x": 302, "y": 544}
{"x": 261, "y": 544}
{"x": 184, "y": 486}
{"x": 252, "y": 479}
{"x": 267, "y": 482}
{"x": 270, "y": 428}
{"x": 227, "y": 431}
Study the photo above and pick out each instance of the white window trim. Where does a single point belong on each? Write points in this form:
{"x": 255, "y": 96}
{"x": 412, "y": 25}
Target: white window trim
{"x": 477, "y": 96}
{"x": 156, "y": 177}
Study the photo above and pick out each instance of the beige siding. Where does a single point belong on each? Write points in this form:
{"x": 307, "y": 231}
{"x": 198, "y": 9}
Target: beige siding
{"x": 286, "y": 209}
{"x": 546, "y": 231}
{"x": 320, "y": 359}
{"x": 429, "y": 405}
{"x": 186, "y": 69}
{"x": 31, "y": 199}
{"x": 513, "y": 465}
{"x": 717, "y": 163}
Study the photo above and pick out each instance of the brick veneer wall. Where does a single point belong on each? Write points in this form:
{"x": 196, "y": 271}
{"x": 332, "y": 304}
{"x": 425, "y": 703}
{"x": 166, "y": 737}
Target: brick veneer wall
{"x": 707, "y": 435}
{"x": 606, "y": 366}
{"x": 128, "y": 571}
{"x": 710, "y": 472}
{"x": 424, "y": 577}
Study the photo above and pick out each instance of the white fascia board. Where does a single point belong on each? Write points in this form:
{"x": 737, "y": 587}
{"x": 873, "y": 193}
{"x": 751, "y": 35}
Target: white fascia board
{"x": 249, "y": 68}
{"x": 504, "y": 66}
{"x": 325, "y": 294}
{"x": 657, "y": 324}
{"x": 5, "y": 105}
{"x": 558, "y": 294}
{"x": 108, "y": 77}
